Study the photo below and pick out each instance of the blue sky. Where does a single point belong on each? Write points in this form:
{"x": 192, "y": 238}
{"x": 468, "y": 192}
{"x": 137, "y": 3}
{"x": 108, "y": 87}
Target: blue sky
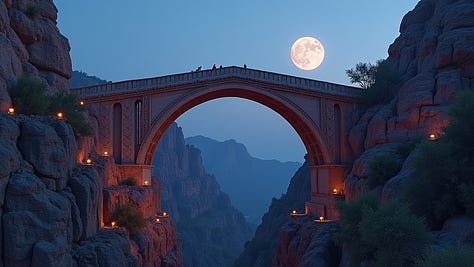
{"x": 120, "y": 40}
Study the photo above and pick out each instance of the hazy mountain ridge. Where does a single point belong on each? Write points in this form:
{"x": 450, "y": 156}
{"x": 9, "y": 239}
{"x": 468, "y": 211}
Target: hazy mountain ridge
{"x": 81, "y": 79}
{"x": 211, "y": 230}
{"x": 250, "y": 182}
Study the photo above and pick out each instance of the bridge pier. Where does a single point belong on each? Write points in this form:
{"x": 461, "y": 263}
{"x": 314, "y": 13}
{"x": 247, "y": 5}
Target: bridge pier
{"x": 327, "y": 187}
{"x": 141, "y": 173}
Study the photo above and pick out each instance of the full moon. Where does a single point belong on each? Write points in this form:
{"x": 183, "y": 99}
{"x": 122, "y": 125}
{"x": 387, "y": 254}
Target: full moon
{"x": 307, "y": 53}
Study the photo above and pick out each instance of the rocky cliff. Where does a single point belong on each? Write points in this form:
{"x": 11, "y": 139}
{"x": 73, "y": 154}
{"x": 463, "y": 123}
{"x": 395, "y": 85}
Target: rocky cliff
{"x": 434, "y": 56}
{"x": 211, "y": 230}
{"x": 31, "y": 43}
{"x": 235, "y": 169}
{"x": 261, "y": 250}
{"x": 51, "y": 208}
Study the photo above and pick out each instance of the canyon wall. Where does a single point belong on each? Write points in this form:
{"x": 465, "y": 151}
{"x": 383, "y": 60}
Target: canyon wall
{"x": 30, "y": 43}
{"x": 211, "y": 230}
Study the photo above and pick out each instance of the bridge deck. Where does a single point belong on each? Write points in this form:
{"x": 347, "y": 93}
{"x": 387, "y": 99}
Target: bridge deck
{"x": 219, "y": 73}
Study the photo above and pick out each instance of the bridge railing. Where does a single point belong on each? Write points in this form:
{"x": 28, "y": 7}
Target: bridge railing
{"x": 213, "y": 74}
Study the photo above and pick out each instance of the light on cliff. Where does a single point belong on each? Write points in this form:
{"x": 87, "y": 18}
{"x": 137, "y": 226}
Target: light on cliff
{"x": 146, "y": 183}
{"x": 334, "y": 191}
{"x": 157, "y": 220}
{"x": 113, "y": 224}
{"x": 163, "y": 214}
{"x": 11, "y": 111}
{"x": 88, "y": 162}
{"x": 60, "y": 115}
{"x": 321, "y": 219}
{"x": 105, "y": 154}
{"x": 432, "y": 137}
{"x": 81, "y": 102}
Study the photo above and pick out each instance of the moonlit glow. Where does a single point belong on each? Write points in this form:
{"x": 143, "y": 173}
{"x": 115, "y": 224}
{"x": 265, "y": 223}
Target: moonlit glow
{"x": 307, "y": 53}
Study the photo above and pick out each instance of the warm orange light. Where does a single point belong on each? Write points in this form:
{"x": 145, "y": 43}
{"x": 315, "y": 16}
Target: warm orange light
{"x": 165, "y": 214}
{"x": 11, "y": 111}
{"x": 157, "y": 220}
{"x": 146, "y": 182}
{"x": 106, "y": 154}
{"x": 59, "y": 115}
{"x": 89, "y": 162}
{"x": 82, "y": 102}
{"x": 432, "y": 137}
{"x": 113, "y": 224}
{"x": 321, "y": 218}
{"x": 293, "y": 212}
{"x": 334, "y": 191}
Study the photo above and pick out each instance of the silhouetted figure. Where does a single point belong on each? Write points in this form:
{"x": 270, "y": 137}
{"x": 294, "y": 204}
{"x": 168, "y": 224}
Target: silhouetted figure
{"x": 220, "y": 67}
{"x": 245, "y": 66}
{"x": 214, "y": 67}
{"x": 199, "y": 68}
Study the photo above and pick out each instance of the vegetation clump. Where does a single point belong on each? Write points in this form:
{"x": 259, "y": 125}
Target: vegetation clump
{"x": 443, "y": 182}
{"x": 458, "y": 255}
{"x": 129, "y": 217}
{"x": 382, "y": 168}
{"x": 29, "y": 96}
{"x": 32, "y": 10}
{"x": 381, "y": 235}
{"x": 380, "y": 81}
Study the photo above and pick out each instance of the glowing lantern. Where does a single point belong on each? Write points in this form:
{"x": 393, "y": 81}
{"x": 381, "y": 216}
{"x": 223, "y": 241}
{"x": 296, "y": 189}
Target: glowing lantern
{"x": 293, "y": 212}
{"x": 334, "y": 191}
{"x": 157, "y": 220}
{"x": 105, "y": 154}
{"x": 81, "y": 102}
{"x": 321, "y": 218}
{"x": 89, "y": 162}
{"x": 113, "y": 224}
{"x": 11, "y": 111}
{"x": 432, "y": 137}
{"x": 60, "y": 115}
{"x": 146, "y": 182}
{"x": 165, "y": 214}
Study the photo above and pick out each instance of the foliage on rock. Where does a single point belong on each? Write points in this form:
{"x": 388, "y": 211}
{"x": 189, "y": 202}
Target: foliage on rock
{"x": 382, "y": 168}
{"x": 459, "y": 256}
{"x": 129, "y": 217}
{"x": 372, "y": 232}
{"x": 29, "y": 97}
{"x": 443, "y": 182}
{"x": 380, "y": 81}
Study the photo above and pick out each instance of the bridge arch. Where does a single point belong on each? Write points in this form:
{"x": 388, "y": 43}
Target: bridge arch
{"x": 308, "y": 131}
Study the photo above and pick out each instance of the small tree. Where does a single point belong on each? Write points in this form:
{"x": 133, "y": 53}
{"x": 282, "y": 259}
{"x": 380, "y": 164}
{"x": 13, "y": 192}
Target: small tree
{"x": 69, "y": 105}
{"x": 363, "y": 74}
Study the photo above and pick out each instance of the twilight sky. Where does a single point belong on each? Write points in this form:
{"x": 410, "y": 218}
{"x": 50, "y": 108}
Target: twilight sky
{"x": 122, "y": 39}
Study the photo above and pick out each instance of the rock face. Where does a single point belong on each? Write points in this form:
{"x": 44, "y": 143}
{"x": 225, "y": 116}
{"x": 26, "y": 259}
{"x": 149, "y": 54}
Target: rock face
{"x": 434, "y": 56}
{"x": 212, "y": 231}
{"x": 235, "y": 169}
{"x": 260, "y": 251}
{"x": 306, "y": 243}
{"x": 31, "y": 43}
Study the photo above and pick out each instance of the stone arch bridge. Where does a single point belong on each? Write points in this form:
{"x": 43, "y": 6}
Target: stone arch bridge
{"x": 133, "y": 115}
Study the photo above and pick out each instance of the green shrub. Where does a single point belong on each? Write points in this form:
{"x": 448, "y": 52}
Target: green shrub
{"x": 386, "y": 235}
{"x": 382, "y": 168}
{"x": 32, "y": 10}
{"x": 29, "y": 96}
{"x": 452, "y": 256}
{"x": 442, "y": 184}
{"x": 130, "y": 181}
{"x": 129, "y": 217}
{"x": 69, "y": 105}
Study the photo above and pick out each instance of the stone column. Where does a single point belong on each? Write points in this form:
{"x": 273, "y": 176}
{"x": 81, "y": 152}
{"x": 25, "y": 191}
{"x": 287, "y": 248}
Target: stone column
{"x": 327, "y": 183}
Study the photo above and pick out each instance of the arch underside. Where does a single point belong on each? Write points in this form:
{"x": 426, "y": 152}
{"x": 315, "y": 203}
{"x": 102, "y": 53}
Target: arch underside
{"x": 302, "y": 123}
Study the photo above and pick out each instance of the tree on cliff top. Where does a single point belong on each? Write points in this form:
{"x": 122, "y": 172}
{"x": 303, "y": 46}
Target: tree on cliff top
{"x": 380, "y": 81}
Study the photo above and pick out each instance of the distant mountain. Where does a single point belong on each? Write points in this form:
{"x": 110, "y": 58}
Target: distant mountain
{"x": 251, "y": 183}
{"x": 80, "y": 79}
{"x": 211, "y": 230}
